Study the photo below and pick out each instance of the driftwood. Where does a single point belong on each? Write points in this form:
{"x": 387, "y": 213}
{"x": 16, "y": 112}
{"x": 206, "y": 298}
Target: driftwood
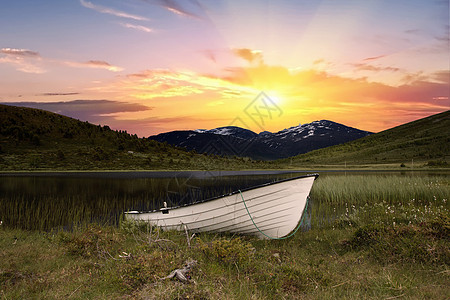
{"x": 181, "y": 274}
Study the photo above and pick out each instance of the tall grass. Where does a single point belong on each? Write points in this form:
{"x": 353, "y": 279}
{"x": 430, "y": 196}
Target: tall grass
{"x": 378, "y": 198}
{"x": 43, "y": 203}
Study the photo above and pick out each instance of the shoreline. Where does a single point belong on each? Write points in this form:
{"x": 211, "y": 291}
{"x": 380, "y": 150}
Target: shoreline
{"x": 118, "y": 174}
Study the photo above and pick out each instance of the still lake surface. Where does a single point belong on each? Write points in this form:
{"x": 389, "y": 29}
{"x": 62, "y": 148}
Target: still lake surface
{"x": 44, "y": 201}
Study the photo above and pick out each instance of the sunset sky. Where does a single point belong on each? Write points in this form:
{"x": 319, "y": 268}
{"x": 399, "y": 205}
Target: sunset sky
{"x": 151, "y": 66}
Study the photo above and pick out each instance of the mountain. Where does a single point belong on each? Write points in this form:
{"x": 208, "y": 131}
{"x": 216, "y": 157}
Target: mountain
{"x": 232, "y": 140}
{"x": 422, "y": 142}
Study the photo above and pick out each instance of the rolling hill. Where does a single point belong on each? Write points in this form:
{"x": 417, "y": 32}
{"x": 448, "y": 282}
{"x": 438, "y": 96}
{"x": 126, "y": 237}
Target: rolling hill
{"x": 33, "y": 139}
{"x": 421, "y": 142}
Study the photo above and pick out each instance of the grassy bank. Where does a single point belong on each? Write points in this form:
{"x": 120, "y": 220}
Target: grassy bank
{"x": 408, "y": 261}
{"x": 371, "y": 237}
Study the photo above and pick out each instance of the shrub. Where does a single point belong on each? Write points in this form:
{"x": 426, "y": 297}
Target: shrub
{"x": 141, "y": 269}
{"x": 90, "y": 242}
{"x": 426, "y": 242}
{"x": 228, "y": 251}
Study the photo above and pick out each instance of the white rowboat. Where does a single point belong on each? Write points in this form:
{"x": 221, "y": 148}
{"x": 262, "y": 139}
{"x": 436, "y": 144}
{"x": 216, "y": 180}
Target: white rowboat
{"x": 271, "y": 210}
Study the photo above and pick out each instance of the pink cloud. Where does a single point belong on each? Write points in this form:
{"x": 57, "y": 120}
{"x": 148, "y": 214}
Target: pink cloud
{"x": 23, "y": 60}
{"x": 252, "y": 56}
{"x": 374, "y": 58}
{"x": 177, "y": 8}
{"x": 96, "y": 64}
{"x": 19, "y": 52}
{"x": 137, "y": 27}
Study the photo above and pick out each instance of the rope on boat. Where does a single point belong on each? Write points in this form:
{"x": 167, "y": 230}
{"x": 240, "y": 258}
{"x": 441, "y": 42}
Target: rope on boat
{"x": 274, "y": 238}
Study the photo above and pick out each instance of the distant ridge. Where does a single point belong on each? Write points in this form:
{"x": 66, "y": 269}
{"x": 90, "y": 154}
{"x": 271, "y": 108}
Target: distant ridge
{"x": 236, "y": 141}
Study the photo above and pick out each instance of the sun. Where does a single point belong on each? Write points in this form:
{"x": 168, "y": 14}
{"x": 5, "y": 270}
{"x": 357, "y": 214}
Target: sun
{"x": 275, "y": 97}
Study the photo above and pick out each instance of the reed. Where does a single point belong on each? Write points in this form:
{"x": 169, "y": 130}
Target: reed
{"x": 45, "y": 203}
{"x": 378, "y": 198}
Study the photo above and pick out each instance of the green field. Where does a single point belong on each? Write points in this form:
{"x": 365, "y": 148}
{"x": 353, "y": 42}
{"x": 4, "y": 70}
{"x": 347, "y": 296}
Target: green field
{"x": 371, "y": 237}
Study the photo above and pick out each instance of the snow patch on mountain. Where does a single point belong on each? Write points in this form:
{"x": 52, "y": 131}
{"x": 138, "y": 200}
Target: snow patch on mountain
{"x": 230, "y": 131}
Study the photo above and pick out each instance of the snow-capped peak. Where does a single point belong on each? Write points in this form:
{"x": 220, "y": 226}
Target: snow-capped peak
{"x": 230, "y": 130}
{"x": 200, "y": 130}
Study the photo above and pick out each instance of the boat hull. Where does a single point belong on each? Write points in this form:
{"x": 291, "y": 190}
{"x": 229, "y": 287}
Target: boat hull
{"x": 270, "y": 211}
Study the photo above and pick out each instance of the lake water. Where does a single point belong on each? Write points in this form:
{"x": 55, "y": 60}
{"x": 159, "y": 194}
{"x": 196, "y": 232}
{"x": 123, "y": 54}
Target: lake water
{"x": 44, "y": 201}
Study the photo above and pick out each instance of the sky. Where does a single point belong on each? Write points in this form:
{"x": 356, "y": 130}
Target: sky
{"x": 152, "y": 66}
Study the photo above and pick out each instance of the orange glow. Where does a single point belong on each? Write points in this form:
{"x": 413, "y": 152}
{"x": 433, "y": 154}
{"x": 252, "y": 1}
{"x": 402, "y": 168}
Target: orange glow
{"x": 303, "y": 96}
{"x": 202, "y": 64}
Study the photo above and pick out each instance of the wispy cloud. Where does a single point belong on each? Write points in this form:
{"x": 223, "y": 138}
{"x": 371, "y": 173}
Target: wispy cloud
{"x": 59, "y": 94}
{"x": 29, "y": 61}
{"x": 96, "y": 64}
{"x": 23, "y": 60}
{"x": 367, "y": 64}
{"x": 22, "y": 65}
{"x": 414, "y": 77}
{"x": 442, "y": 77}
{"x": 210, "y": 55}
{"x": 318, "y": 61}
{"x": 374, "y": 58}
{"x": 372, "y": 68}
{"x": 19, "y": 52}
{"x": 111, "y": 11}
{"x": 252, "y": 56}
{"x": 175, "y": 7}
{"x": 137, "y": 27}
{"x": 102, "y": 65}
